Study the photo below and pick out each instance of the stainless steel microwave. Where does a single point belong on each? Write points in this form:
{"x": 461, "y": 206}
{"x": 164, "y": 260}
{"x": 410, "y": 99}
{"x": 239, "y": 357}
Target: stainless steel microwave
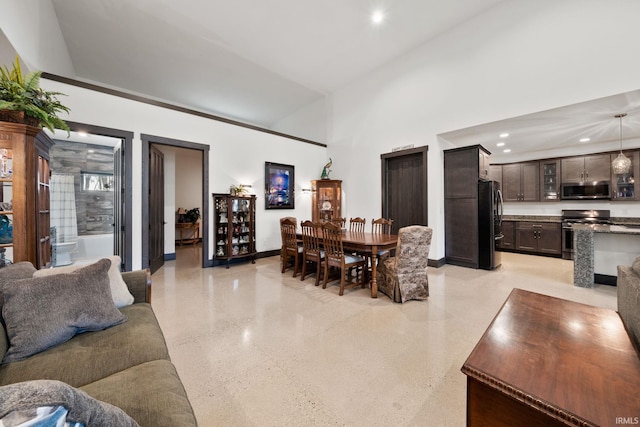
{"x": 586, "y": 190}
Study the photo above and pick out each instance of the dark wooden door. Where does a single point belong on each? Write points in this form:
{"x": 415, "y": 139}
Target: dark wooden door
{"x": 511, "y": 182}
{"x": 156, "y": 209}
{"x": 119, "y": 240}
{"x": 530, "y": 182}
{"x": 550, "y": 239}
{"x": 527, "y": 237}
{"x": 404, "y": 187}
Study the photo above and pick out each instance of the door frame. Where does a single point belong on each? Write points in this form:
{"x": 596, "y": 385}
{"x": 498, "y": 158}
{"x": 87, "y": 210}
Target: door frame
{"x": 384, "y": 160}
{"x": 147, "y": 140}
{"x": 126, "y": 258}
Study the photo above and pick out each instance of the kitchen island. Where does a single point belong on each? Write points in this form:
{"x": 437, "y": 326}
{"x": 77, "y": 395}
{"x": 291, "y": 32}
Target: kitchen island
{"x": 599, "y": 249}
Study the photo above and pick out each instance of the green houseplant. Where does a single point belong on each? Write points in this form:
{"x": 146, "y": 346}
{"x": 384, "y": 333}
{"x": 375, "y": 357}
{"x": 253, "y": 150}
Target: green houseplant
{"x": 22, "y": 99}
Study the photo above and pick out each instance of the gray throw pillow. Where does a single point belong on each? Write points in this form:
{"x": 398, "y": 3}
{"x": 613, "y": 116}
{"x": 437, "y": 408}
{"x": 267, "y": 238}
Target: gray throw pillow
{"x": 41, "y": 312}
{"x": 27, "y": 396}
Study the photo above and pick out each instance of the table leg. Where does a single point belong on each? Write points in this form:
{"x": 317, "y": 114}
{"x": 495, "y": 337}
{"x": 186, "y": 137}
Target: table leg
{"x": 374, "y": 266}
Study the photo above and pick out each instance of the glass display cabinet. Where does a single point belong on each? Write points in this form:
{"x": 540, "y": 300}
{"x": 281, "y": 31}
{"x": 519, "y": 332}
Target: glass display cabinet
{"x": 550, "y": 174}
{"x": 326, "y": 200}
{"x": 25, "y": 233}
{"x": 235, "y": 233}
{"x": 624, "y": 185}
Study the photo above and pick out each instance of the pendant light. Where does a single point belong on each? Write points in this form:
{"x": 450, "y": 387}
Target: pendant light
{"x": 622, "y": 163}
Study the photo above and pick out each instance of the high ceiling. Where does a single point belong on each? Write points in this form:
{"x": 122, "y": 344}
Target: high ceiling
{"x": 249, "y": 60}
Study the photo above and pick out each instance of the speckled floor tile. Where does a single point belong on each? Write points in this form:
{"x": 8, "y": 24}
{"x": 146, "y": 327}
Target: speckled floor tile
{"x": 255, "y": 347}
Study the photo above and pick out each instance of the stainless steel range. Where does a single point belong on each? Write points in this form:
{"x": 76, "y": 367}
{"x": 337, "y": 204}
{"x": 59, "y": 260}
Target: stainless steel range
{"x": 570, "y": 217}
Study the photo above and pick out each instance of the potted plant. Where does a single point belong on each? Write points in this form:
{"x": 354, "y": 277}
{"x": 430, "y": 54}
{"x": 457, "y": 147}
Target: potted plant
{"x": 22, "y": 100}
{"x": 237, "y": 190}
{"x": 192, "y": 215}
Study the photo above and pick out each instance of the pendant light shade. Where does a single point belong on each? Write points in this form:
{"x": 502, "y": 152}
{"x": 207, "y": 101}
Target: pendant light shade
{"x": 622, "y": 163}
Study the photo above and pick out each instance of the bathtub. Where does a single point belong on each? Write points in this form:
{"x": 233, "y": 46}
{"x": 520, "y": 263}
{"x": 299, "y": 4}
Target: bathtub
{"x": 92, "y": 247}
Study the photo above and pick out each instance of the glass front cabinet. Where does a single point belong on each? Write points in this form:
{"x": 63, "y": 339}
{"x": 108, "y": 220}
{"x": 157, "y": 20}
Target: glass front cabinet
{"x": 25, "y": 233}
{"x": 550, "y": 180}
{"x": 235, "y": 233}
{"x": 624, "y": 186}
{"x": 326, "y": 200}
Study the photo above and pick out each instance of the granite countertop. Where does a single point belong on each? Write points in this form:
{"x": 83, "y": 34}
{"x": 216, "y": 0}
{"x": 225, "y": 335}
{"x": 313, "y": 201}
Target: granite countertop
{"x": 612, "y": 229}
{"x": 532, "y": 218}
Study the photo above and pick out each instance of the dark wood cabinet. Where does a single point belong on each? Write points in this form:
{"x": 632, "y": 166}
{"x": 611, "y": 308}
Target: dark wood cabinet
{"x": 586, "y": 168}
{"x": 462, "y": 169}
{"x": 508, "y": 241}
{"x": 235, "y": 227}
{"x": 625, "y": 186}
{"x": 539, "y": 238}
{"x": 25, "y": 230}
{"x": 549, "y": 180}
{"x": 520, "y": 182}
{"x": 495, "y": 174}
{"x": 326, "y": 200}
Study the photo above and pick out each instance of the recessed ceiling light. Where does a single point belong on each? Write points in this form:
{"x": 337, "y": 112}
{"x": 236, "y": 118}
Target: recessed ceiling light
{"x": 504, "y": 135}
{"x": 377, "y": 17}
{"x": 500, "y": 144}
{"x": 508, "y": 150}
{"x": 83, "y": 134}
{"x": 91, "y": 151}
{"x": 585, "y": 139}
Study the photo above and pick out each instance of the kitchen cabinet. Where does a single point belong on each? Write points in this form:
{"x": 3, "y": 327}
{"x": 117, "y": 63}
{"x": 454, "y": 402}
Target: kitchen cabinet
{"x": 235, "y": 227}
{"x": 25, "y": 231}
{"x": 483, "y": 164}
{"x": 495, "y": 174}
{"x": 625, "y": 186}
{"x": 326, "y": 200}
{"x": 549, "y": 180}
{"x": 508, "y": 242}
{"x": 520, "y": 182}
{"x": 539, "y": 238}
{"x": 586, "y": 168}
{"x": 462, "y": 169}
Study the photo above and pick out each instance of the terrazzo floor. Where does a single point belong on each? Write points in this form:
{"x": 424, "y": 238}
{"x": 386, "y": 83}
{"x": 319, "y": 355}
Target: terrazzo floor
{"x": 255, "y": 347}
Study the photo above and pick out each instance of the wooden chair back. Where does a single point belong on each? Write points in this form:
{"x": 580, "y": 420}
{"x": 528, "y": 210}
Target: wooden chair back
{"x": 341, "y": 222}
{"x": 381, "y": 226}
{"x": 288, "y": 232}
{"x": 311, "y": 238}
{"x": 357, "y": 224}
{"x": 332, "y": 244}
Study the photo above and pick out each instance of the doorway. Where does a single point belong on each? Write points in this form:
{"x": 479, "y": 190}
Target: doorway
{"x": 121, "y": 143}
{"x": 153, "y": 224}
{"x": 404, "y": 187}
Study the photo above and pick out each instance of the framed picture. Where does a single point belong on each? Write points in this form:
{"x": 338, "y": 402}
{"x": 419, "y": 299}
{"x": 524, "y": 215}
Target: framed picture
{"x": 279, "y": 182}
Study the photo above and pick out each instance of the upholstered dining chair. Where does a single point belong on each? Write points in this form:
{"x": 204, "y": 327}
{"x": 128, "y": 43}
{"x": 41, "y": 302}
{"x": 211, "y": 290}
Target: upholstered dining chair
{"x": 291, "y": 247}
{"x": 357, "y": 224}
{"x": 404, "y": 276}
{"x": 312, "y": 248}
{"x": 335, "y": 257}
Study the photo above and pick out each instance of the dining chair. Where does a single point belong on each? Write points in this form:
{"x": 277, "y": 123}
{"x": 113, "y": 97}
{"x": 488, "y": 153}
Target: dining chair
{"x": 339, "y": 221}
{"x": 291, "y": 247}
{"x": 311, "y": 248}
{"x": 381, "y": 226}
{"x": 335, "y": 257}
{"x": 404, "y": 277}
{"x": 357, "y": 224}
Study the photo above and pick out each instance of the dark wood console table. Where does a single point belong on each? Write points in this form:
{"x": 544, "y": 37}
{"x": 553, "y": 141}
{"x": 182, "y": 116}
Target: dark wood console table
{"x": 552, "y": 362}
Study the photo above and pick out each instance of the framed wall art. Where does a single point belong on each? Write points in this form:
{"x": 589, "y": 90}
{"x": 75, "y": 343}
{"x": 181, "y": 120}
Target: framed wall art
{"x": 279, "y": 182}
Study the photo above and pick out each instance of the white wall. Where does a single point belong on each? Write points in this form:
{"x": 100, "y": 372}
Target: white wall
{"x": 188, "y": 177}
{"x": 518, "y": 58}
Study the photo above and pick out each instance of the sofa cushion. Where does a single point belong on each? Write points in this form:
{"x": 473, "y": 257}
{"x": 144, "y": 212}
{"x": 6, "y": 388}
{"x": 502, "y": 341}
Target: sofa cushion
{"x": 23, "y": 399}
{"x": 42, "y": 312}
{"x": 119, "y": 290}
{"x": 99, "y": 353}
{"x": 150, "y": 393}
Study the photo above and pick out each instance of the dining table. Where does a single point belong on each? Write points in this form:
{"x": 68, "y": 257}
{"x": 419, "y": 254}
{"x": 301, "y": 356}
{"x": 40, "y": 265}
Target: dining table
{"x": 369, "y": 244}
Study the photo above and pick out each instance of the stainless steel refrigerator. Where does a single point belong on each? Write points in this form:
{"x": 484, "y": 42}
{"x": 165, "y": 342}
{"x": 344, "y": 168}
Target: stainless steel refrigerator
{"x": 489, "y": 224}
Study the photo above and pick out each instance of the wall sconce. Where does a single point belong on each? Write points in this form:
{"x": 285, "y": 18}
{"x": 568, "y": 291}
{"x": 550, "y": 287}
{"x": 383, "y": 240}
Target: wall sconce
{"x": 306, "y": 190}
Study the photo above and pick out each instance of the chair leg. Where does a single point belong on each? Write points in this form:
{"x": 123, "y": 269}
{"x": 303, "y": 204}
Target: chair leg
{"x": 295, "y": 265}
{"x": 283, "y": 258}
{"x": 342, "y": 273}
{"x": 326, "y": 275}
{"x": 304, "y": 267}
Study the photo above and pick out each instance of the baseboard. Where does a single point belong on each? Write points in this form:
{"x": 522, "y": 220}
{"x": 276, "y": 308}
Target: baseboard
{"x": 267, "y": 254}
{"x": 169, "y": 257}
{"x": 436, "y": 263}
{"x": 604, "y": 279}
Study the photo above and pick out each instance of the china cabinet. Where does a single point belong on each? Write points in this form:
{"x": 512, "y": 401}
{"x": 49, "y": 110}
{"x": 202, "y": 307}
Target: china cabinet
{"x": 549, "y": 180}
{"x": 235, "y": 233}
{"x": 24, "y": 194}
{"x": 326, "y": 200}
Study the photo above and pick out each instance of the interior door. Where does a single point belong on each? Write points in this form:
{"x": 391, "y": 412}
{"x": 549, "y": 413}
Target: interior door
{"x": 156, "y": 209}
{"x": 119, "y": 240}
{"x": 404, "y": 187}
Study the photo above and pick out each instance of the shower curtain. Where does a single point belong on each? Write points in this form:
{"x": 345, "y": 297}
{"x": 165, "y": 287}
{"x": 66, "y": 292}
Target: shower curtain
{"x": 63, "y": 208}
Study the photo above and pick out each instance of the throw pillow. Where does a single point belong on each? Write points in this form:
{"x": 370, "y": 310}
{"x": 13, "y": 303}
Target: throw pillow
{"x": 119, "y": 290}
{"x": 23, "y": 399}
{"x": 41, "y": 312}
